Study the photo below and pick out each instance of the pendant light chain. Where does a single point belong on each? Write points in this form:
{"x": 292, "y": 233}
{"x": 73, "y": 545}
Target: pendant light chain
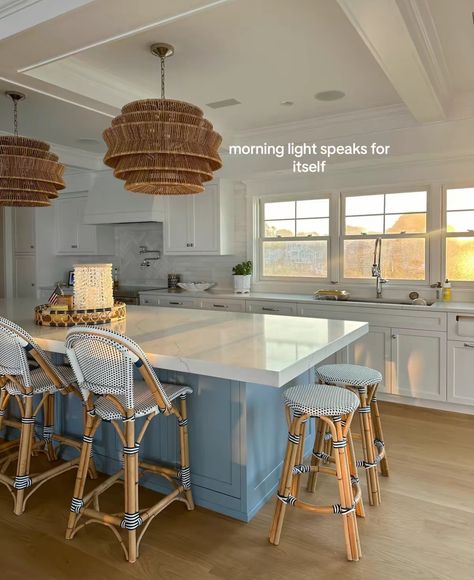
{"x": 15, "y": 117}
{"x": 162, "y": 59}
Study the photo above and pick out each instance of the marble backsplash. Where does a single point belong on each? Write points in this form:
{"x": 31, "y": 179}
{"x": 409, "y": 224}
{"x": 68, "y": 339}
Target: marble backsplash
{"x": 218, "y": 269}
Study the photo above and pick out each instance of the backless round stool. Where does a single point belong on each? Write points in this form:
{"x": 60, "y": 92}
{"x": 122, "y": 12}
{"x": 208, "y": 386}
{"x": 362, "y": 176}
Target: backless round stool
{"x": 104, "y": 362}
{"x": 28, "y": 377}
{"x": 364, "y": 381}
{"x": 335, "y": 409}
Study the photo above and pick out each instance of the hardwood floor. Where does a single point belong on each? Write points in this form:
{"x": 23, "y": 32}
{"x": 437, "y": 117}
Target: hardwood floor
{"x": 423, "y": 530}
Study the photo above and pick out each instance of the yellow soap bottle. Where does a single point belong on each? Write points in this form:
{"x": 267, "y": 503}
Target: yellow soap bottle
{"x": 447, "y": 291}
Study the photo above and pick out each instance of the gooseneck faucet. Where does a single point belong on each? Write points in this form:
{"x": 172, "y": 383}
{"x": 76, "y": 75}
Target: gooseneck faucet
{"x": 376, "y": 268}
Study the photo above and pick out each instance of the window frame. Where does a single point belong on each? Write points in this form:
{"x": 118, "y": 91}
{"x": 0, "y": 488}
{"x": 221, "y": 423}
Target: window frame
{"x": 468, "y": 284}
{"x": 427, "y": 235}
{"x": 329, "y": 238}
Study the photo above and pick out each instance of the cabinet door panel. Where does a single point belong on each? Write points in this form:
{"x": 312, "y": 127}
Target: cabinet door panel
{"x": 205, "y": 220}
{"x": 461, "y": 372}
{"x": 73, "y": 236}
{"x": 25, "y": 277}
{"x": 177, "y": 228}
{"x": 24, "y": 230}
{"x": 373, "y": 350}
{"x": 419, "y": 364}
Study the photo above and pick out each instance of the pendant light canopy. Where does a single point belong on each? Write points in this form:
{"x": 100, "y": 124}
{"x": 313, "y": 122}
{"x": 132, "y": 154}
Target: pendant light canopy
{"x": 162, "y": 146}
{"x": 30, "y": 174}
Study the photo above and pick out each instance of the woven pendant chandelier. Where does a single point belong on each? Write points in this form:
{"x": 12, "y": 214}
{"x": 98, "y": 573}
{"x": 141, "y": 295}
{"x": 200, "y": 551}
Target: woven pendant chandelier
{"x": 30, "y": 174}
{"x": 162, "y": 146}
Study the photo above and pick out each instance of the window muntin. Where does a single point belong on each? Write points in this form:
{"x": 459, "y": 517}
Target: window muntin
{"x": 294, "y": 238}
{"x": 460, "y": 234}
{"x": 400, "y": 219}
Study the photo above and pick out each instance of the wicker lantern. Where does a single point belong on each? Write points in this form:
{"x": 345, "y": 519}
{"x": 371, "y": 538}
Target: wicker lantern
{"x": 30, "y": 174}
{"x": 162, "y": 146}
{"x": 93, "y": 286}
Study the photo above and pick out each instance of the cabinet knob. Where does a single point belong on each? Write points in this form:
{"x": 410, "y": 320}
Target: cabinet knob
{"x": 74, "y": 246}
{"x": 394, "y": 336}
{"x": 32, "y": 247}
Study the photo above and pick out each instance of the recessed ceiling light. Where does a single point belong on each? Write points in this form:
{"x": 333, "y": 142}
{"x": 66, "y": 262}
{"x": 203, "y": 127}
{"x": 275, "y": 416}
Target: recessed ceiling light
{"x": 329, "y": 95}
{"x": 88, "y": 141}
{"x": 224, "y": 103}
{"x": 287, "y": 103}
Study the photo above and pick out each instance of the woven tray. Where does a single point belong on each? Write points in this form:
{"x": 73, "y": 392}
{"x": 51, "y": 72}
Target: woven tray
{"x": 46, "y": 315}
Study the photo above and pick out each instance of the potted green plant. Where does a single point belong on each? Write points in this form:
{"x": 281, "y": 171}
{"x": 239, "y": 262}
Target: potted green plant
{"x": 242, "y": 275}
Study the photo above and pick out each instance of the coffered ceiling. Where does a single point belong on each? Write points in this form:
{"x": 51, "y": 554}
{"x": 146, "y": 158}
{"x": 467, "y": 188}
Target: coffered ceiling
{"x": 81, "y": 60}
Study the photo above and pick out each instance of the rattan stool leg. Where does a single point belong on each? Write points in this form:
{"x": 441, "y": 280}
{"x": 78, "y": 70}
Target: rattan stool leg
{"x": 184, "y": 452}
{"x": 131, "y": 490}
{"x": 317, "y": 449}
{"x": 369, "y": 462}
{"x": 377, "y": 425}
{"x": 22, "y": 480}
{"x": 48, "y": 426}
{"x": 296, "y": 482}
{"x": 360, "y": 511}
{"x": 286, "y": 479}
{"x": 77, "y": 504}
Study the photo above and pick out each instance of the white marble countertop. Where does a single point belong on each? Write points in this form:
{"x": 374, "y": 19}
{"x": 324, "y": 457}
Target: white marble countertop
{"x": 257, "y": 348}
{"x": 308, "y": 298}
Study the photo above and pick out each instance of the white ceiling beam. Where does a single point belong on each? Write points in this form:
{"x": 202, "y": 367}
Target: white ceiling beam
{"x": 19, "y": 15}
{"x": 382, "y": 27}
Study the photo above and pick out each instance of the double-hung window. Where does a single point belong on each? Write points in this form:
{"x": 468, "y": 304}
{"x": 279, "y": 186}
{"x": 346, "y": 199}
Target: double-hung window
{"x": 460, "y": 234}
{"x": 400, "y": 219}
{"x": 294, "y": 238}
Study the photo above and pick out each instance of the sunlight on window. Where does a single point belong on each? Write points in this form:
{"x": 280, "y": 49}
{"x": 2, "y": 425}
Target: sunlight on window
{"x": 296, "y": 259}
{"x": 459, "y": 246}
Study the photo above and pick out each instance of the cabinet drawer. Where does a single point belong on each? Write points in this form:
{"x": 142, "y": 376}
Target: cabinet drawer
{"x": 178, "y": 302}
{"x": 461, "y": 327}
{"x": 149, "y": 300}
{"x": 378, "y": 316}
{"x": 263, "y": 307}
{"x": 225, "y": 305}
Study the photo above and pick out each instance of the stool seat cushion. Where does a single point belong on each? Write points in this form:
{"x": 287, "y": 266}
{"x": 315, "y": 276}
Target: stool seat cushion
{"x": 145, "y": 403}
{"x": 321, "y": 400}
{"x": 40, "y": 381}
{"x": 347, "y": 374}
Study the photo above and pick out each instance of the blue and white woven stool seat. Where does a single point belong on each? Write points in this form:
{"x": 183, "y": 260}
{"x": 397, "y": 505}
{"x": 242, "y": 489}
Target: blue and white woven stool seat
{"x": 347, "y": 374}
{"x": 40, "y": 381}
{"x": 145, "y": 403}
{"x": 321, "y": 400}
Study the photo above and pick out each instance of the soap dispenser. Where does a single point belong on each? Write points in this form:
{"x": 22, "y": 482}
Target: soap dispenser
{"x": 447, "y": 291}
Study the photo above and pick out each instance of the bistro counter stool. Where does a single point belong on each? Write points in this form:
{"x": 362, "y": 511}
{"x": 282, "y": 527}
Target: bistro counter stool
{"x": 104, "y": 363}
{"x": 365, "y": 382}
{"x": 19, "y": 382}
{"x": 335, "y": 408}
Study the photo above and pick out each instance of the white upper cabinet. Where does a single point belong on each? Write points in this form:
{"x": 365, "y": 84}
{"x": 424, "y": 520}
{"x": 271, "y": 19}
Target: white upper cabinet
{"x": 201, "y": 223}
{"x": 75, "y": 237}
{"x": 24, "y": 230}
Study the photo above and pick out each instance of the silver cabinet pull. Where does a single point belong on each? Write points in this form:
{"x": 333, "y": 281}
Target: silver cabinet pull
{"x": 270, "y": 309}
{"x": 176, "y": 303}
{"x": 74, "y": 246}
{"x": 466, "y": 344}
{"x": 220, "y": 306}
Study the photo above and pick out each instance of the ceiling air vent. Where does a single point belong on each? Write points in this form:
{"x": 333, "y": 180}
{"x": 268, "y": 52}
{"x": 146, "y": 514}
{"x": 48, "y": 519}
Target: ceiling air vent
{"x": 224, "y": 103}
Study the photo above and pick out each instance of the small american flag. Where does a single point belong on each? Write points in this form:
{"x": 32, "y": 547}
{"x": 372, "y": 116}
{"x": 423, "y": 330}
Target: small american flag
{"x": 57, "y": 292}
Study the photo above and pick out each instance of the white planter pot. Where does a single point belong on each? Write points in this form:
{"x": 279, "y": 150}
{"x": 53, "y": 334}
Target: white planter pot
{"x": 242, "y": 284}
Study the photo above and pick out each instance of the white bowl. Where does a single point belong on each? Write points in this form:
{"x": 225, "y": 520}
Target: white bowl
{"x": 195, "y": 286}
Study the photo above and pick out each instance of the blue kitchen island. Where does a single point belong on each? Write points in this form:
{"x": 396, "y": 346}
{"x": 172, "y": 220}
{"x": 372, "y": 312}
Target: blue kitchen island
{"x": 238, "y": 365}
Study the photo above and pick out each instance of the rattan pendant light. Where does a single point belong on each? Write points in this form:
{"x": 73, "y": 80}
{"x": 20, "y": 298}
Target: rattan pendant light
{"x": 30, "y": 174}
{"x": 162, "y": 146}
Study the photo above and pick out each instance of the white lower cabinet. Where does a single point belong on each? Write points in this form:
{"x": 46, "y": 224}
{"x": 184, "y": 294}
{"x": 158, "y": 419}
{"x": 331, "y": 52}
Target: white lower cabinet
{"x": 461, "y": 372}
{"x": 264, "y": 307}
{"x": 419, "y": 364}
{"x": 374, "y": 350}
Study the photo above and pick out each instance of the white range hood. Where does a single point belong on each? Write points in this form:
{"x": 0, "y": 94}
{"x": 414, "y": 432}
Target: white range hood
{"x": 108, "y": 202}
